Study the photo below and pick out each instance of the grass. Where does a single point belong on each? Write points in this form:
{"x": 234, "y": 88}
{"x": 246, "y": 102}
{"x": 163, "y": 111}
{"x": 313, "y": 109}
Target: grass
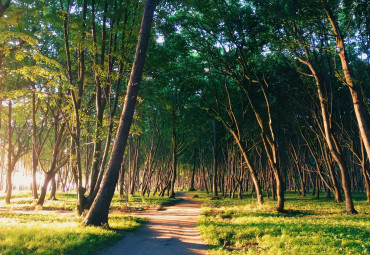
{"x": 199, "y": 195}
{"x": 35, "y": 233}
{"x": 67, "y": 202}
{"x": 137, "y": 202}
{"x": 54, "y": 229}
{"x": 309, "y": 226}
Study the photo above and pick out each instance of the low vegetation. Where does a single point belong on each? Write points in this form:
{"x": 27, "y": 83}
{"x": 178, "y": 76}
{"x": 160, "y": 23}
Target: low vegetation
{"x": 36, "y": 233}
{"x": 67, "y": 202}
{"x": 309, "y": 226}
{"x": 55, "y": 228}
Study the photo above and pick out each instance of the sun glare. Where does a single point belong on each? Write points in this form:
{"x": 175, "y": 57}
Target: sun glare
{"x": 22, "y": 178}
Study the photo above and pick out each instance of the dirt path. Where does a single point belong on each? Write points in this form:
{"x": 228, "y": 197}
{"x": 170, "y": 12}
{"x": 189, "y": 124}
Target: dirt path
{"x": 169, "y": 231}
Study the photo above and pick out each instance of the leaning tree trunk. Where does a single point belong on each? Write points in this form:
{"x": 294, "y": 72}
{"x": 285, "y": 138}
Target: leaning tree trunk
{"x": 44, "y": 188}
{"x": 331, "y": 142}
{"x": 271, "y": 148}
{"x": 360, "y": 112}
{"x": 98, "y": 213}
{"x": 252, "y": 172}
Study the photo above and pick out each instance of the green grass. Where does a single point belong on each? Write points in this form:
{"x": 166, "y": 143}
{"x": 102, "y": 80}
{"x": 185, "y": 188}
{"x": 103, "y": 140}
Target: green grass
{"x": 137, "y": 202}
{"x": 309, "y": 226}
{"x": 34, "y": 233}
{"x": 199, "y": 195}
{"x": 24, "y": 201}
{"x": 55, "y": 229}
{"x": 67, "y": 202}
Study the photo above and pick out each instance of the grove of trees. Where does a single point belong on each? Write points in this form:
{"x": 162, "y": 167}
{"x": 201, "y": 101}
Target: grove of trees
{"x": 235, "y": 96}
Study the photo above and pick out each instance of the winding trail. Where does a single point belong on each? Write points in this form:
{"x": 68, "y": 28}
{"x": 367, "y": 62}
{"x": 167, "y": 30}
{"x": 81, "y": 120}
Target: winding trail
{"x": 171, "y": 231}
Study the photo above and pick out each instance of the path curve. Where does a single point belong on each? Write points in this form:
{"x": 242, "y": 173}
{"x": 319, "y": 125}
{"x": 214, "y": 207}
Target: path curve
{"x": 171, "y": 231}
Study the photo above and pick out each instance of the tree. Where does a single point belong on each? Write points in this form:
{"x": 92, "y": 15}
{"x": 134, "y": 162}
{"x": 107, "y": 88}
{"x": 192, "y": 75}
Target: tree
{"x": 98, "y": 214}
{"x": 349, "y": 81}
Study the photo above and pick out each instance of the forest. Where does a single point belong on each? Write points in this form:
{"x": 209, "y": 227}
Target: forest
{"x": 256, "y": 108}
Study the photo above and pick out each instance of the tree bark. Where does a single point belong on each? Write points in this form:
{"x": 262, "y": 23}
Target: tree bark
{"x": 193, "y": 171}
{"x": 360, "y": 112}
{"x": 53, "y": 189}
{"x": 330, "y": 139}
{"x": 215, "y": 161}
{"x": 34, "y": 156}
{"x": 98, "y": 213}
{"x": 365, "y": 173}
{"x": 172, "y": 193}
{"x": 9, "y": 186}
{"x": 44, "y": 188}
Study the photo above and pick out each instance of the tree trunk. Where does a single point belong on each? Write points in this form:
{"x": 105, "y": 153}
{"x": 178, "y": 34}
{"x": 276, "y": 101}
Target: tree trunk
{"x": 330, "y": 139}
{"x": 9, "y": 185}
{"x": 365, "y": 173}
{"x": 53, "y": 189}
{"x": 360, "y": 112}
{"x": 251, "y": 169}
{"x": 317, "y": 186}
{"x": 98, "y": 213}
{"x": 121, "y": 180}
{"x": 332, "y": 144}
{"x": 99, "y": 101}
{"x": 34, "y": 148}
{"x": 44, "y": 188}
{"x": 193, "y": 172}
{"x": 215, "y": 162}
{"x": 172, "y": 193}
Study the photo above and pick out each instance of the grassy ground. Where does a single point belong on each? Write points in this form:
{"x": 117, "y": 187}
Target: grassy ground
{"x": 138, "y": 203}
{"x": 55, "y": 228}
{"x": 35, "y": 233}
{"x": 67, "y": 202}
{"x": 310, "y": 226}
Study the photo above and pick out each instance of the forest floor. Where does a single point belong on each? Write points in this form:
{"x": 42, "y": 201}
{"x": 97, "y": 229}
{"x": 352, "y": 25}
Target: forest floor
{"x": 194, "y": 224}
{"x": 169, "y": 230}
{"x": 56, "y": 229}
{"x": 309, "y": 226}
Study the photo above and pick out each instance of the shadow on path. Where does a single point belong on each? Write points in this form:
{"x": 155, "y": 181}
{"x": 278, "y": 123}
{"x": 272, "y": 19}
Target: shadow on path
{"x": 171, "y": 231}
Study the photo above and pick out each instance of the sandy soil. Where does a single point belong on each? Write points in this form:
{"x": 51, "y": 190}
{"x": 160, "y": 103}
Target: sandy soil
{"x": 170, "y": 230}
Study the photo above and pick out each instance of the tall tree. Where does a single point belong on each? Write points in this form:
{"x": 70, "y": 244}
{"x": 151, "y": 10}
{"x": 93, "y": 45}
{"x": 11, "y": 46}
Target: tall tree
{"x": 98, "y": 214}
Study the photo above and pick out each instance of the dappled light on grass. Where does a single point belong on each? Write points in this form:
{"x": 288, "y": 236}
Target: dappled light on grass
{"x": 57, "y": 234}
{"x": 139, "y": 203}
{"x": 24, "y": 201}
{"x": 67, "y": 202}
{"x": 55, "y": 229}
{"x": 309, "y": 226}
